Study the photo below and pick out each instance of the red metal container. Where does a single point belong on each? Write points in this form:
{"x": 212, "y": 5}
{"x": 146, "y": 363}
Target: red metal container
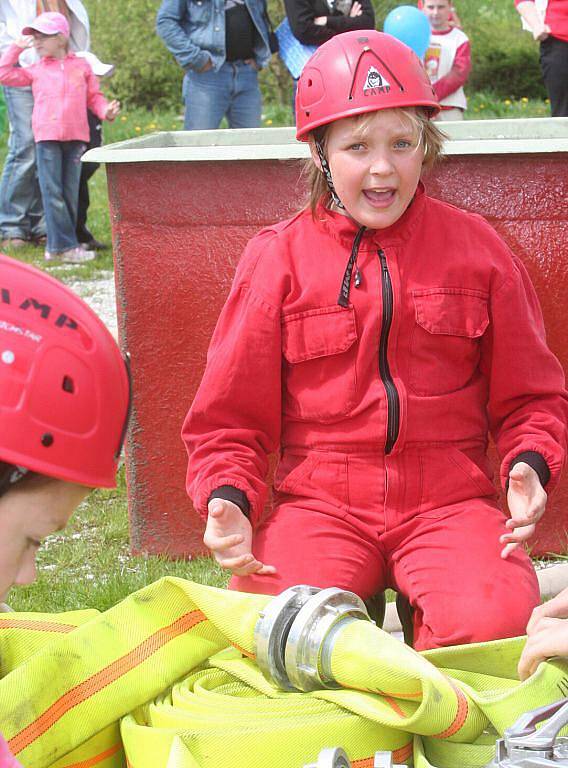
{"x": 183, "y": 206}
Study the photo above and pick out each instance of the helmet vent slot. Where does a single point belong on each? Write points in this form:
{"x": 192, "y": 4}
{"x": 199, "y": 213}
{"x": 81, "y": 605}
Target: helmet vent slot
{"x": 68, "y": 385}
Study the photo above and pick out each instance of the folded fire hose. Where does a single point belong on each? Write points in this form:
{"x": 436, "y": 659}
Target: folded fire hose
{"x": 180, "y": 675}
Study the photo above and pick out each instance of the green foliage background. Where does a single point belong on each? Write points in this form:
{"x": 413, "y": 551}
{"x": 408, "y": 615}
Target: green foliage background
{"x": 505, "y": 59}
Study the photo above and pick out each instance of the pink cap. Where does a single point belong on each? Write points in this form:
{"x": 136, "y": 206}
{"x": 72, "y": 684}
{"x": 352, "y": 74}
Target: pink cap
{"x": 49, "y": 23}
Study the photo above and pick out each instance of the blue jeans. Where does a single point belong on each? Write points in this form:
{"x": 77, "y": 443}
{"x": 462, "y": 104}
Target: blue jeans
{"x": 232, "y": 92}
{"x": 21, "y": 212}
{"x": 59, "y": 168}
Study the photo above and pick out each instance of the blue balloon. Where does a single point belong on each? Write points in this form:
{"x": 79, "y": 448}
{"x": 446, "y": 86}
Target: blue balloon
{"x": 410, "y": 26}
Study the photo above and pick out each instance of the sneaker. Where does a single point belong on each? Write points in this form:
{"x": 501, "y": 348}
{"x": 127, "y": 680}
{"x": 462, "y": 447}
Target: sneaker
{"x": 71, "y": 256}
{"x": 94, "y": 245}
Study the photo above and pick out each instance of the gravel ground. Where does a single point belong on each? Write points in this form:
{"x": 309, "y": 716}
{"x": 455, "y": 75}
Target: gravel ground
{"x": 100, "y": 296}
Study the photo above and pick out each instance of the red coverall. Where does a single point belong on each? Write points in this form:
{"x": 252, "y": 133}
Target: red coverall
{"x": 380, "y": 411}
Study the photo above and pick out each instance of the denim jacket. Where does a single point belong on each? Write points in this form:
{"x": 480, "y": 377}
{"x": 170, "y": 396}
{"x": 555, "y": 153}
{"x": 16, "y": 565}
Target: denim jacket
{"x": 194, "y": 31}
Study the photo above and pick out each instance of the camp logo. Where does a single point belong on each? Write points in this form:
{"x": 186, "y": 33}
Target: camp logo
{"x": 375, "y": 83}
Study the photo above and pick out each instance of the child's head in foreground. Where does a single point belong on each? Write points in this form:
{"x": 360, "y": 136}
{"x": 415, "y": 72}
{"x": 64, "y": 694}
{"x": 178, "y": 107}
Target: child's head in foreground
{"x": 64, "y": 395}
{"x": 50, "y": 32}
{"x": 364, "y": 104}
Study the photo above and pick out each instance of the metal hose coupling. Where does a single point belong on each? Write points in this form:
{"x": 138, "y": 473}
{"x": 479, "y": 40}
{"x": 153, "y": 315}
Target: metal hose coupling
{"x": 296, "y": 632}
{"x": 525, "y": 746}
{"x": 336, "y": 758}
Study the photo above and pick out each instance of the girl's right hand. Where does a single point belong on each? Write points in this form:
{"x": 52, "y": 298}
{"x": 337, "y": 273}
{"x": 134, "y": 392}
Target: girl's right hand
{"x": 24, "y": 42}
{"x": 356, "y": 10}
{"x": 228, "y": 534}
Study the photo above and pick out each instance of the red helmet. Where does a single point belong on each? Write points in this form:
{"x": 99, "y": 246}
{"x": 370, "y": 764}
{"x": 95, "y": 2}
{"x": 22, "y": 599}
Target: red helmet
{"x": 64, "y": 386}
{"x": 357, "y": 72}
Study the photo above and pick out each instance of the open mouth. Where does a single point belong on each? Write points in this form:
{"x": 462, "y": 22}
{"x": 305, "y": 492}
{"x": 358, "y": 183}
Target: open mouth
{"x": 380, "y": 198}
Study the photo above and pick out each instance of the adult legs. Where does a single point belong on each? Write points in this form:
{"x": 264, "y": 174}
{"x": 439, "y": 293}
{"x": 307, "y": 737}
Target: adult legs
{"x": 246, "y": 101}
{"x": 554, "y": 65}
{"x": 59, "y": 167}
{"x": 21, "y": 212}
{"x": 87, "y": 170}
{"x": 207, "y": 98}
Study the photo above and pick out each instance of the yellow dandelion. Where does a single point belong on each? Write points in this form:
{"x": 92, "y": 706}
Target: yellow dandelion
{"x": 269, "y": 122}
{"x": 507, "y": 102}
{"x": 123, "y": 119}
{"x": 547, "y": 101}
{"x": 482, "y": 106}
{"x": 138, "y": 129}
{"x": 525, "y": 100}
{"x": 153, "y": 126}
{"x": 174, "y": 125}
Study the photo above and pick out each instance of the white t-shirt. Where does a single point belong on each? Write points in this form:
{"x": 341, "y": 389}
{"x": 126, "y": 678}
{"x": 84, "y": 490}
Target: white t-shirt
{"x": 439, "y": 60}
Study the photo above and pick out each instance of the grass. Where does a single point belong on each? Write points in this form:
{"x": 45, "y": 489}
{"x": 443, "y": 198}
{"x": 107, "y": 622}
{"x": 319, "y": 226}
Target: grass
{"x": 89, "y": 564}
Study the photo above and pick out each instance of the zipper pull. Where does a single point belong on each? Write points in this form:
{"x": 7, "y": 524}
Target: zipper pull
{"x": 358, "y": 278}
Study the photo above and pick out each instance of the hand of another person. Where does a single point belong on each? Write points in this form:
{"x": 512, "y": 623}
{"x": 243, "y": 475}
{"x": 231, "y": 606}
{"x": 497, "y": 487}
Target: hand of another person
{"x": 526, "y": 499}
{"x": 356, "y": 10}
{"x": 556, "y": 608}
{"x": 207, "y": 66}
{"x": 548, "y": 638}
{"x": 321, "y": 21}
{"x": 541, "y": 32}
{"x": 228, "y": 534}
{"x": 112, "y": 111}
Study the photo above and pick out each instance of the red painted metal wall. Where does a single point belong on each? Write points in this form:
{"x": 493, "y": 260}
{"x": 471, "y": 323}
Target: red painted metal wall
{"x": 179, "y": 229}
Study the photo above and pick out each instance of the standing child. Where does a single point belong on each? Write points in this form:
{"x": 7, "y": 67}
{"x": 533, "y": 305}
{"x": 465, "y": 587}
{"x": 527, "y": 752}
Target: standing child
{"x": 63, "y": 87}
{"x": 374, "y": 340}
{"x": 447, "y": 60}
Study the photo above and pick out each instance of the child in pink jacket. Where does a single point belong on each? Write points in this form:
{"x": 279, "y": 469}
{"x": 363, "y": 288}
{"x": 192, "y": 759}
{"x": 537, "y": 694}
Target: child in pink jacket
{"x": 63, "y": 86}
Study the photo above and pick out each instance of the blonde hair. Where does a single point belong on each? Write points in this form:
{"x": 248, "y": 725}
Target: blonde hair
{"x": 431, "y": 137}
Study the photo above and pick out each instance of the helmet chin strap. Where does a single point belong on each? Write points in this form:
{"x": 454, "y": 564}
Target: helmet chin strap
{"x": 327, "y": 173}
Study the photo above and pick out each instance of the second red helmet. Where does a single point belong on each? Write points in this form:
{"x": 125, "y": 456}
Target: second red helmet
{"x": 357, "y": 72}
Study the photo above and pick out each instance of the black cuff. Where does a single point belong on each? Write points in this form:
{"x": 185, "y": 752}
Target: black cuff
{"x": 230, "y": 493}
{"x": 537, "y": 462}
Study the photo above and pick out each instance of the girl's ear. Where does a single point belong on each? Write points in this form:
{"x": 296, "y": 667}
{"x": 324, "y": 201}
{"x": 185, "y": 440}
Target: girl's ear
{"x": 315, "y": 156}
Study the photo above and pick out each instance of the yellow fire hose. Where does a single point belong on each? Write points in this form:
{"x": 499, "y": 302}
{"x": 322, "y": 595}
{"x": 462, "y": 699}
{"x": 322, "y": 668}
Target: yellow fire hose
{"x": 174, "y": 667}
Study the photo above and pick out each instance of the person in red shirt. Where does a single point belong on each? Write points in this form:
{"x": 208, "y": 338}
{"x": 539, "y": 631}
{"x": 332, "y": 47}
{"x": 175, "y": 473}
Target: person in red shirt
{"x": 447, "y": 60}
{"x": 373, "y": 342}
{"x": 548, "y": 22}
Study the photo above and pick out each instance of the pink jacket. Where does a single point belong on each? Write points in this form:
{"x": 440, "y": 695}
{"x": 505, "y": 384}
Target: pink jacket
{"x": 62, "y": 90}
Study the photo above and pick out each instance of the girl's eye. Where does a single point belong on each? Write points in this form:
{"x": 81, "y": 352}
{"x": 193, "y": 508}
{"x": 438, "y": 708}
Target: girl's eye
{"x": 356, "y": 147}
{"x": 403, "y": 144}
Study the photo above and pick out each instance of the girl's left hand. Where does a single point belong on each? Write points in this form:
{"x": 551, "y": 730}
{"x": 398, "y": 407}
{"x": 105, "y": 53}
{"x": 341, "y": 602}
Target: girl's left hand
{"x": 356, "y": 9}
{"x": 321, "y": 21}
{"x": 526, "y": 499}
{"x": 112, "y": 110}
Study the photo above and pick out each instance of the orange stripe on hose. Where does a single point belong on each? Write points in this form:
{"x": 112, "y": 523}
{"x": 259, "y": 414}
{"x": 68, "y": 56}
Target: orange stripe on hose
{"x": 102, "y": 679}
{"x": 248, "y": 654}
{"x": 39, "y": 626}
{"x": 390, "y": 701}
{"x": 97, "y": 758}
{"x": 398, "y": 756}
{"x": 460, "y": 717}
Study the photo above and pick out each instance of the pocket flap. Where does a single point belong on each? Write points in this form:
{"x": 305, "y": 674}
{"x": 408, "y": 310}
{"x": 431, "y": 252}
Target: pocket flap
{"x": 318, "y": 333}
{"x": 452, "y": 311}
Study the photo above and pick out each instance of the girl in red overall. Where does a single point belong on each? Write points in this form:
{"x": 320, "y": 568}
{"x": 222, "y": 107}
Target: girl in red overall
{"x": 375, "y": 340}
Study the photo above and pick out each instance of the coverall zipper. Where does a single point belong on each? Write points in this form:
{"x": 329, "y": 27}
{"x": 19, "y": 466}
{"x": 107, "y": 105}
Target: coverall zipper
{"x": 393, "y": 402}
